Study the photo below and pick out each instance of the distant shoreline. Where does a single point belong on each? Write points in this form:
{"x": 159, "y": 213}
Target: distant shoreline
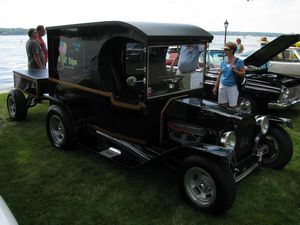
{"x": 22, "y": 31}
{"x": 13, "y": 31}
{"x": 240, "y": 33}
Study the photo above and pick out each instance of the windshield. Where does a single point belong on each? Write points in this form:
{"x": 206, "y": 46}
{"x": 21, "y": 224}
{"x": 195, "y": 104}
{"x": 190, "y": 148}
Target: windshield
{"x": 296, "y": 55}
{"x": 213, "y": 58}
{"x": 181, "y": 73}
{"x": 288, "y": 55}
{"x": 292, "y": 55}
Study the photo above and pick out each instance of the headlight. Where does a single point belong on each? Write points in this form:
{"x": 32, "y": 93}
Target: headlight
{"x": 228, "y": 140}
{"x": 263, "y": 122}
{"x": 284, "y": 94}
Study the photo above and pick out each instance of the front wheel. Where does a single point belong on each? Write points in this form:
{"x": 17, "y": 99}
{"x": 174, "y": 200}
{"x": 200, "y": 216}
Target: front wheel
{"x": 60, "y": 129}
{"x": 207, "y": 185}
{"x": 279, "y": 148}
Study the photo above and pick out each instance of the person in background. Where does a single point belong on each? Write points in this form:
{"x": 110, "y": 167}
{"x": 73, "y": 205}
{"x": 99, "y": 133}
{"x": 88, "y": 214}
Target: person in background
{"x": 263, "y": 41}
{"x": 226, "y": 85}
{"x": 41, "y": 32}
{"x": 239, "y": 46}
{"x": 35, "y": 55}
{"x": 188, "y": 62}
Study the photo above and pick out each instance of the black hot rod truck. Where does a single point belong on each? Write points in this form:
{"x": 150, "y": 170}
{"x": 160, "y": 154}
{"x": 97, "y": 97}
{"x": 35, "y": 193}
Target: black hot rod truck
{"x": 110, "y": 91}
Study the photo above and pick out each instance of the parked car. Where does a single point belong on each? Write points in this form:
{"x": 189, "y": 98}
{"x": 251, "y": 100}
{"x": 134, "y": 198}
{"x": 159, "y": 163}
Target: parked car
{"x": 99, "y": 99}
{"x": 263, "y": 89}
{"x": 286, "y": 62}
{"x": 214, "y": 57}
{"x": 172, "y": 54}
{"x": 297, "y": 44}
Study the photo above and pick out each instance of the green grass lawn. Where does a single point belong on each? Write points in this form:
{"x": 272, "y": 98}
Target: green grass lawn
{"x": 44, "y": 186}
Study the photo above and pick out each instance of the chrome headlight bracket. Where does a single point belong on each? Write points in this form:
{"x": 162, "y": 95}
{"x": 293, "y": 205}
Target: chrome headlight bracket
{"x": 263, "y": 122}
{"x": 228, "y": 139}
{"x": 284, "y": 94}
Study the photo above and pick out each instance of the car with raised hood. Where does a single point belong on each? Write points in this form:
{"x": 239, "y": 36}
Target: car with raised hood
{"x": 264, "y": 89}
{"x": 286, "y": 62}
{"x": 110, "y": 91}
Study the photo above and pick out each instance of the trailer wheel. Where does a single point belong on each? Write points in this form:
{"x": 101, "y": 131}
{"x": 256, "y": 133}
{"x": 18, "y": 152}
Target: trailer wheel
{"x": 280, "y": 148}
{"x": 60, "y": 129}
{"x": 16, "y": 105}
{"x": 207, "y": 185}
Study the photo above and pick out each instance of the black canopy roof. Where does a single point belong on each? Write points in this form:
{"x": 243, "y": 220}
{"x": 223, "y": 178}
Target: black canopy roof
{"x": 150, "y": 33}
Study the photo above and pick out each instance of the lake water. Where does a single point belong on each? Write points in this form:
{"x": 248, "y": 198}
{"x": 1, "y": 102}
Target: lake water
{"x": 12, "y": 57}
{"x": 13, "y": 54}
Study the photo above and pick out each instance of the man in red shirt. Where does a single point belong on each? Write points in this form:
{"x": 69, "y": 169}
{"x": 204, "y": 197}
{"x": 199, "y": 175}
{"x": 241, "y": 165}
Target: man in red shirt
{"x": 41, "y": 32}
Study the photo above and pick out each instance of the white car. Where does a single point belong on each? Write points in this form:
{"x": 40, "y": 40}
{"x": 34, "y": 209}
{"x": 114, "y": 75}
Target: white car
{"x": 286, "y": 62}
{"x": 6, "y": 217}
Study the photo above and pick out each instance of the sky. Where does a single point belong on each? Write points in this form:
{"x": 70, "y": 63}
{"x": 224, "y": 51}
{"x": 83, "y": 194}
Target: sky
{"x": 279, "y": 16}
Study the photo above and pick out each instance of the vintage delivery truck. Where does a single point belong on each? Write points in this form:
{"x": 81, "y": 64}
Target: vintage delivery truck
{"x": 110, "y": 91}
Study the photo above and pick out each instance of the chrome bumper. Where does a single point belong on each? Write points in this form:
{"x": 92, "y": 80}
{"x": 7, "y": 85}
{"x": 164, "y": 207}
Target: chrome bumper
{"x": 284, "y": 104}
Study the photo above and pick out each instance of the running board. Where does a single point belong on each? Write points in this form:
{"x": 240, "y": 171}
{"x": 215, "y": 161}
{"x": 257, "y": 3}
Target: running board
{"x": 110, "y": 152}
{"x": 126, "y": 146}
{"x": 246, "y": 172}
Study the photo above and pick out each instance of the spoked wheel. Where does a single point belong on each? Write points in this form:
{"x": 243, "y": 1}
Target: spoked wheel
{"x": 207, "y": 185}
{"x": 16, "y": 105}
{"x": 279, "y": 148}
{"x": 60, "y": 128}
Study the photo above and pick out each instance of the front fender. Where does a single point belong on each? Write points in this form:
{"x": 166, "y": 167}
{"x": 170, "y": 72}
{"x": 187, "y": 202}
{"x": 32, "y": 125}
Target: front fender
{"x": 280, "y": 120}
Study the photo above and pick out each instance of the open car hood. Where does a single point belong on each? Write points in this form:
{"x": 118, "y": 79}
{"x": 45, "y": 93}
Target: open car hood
{"x": 267, "y": 52}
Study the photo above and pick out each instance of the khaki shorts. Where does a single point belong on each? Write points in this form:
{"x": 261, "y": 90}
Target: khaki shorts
{"x": 228, "y": 95}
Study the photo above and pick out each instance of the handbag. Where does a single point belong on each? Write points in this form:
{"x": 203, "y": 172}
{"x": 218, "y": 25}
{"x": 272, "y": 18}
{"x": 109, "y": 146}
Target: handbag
{"x": 240, "y": 80}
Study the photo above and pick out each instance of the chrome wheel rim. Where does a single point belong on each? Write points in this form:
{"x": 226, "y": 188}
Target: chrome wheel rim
{"x": 200, "y": 186}
{"x": 273, "y": 150}
{"x": 12, "y": 106}
{"x": 245, "y": 105}
{"x": 57, "y": 130}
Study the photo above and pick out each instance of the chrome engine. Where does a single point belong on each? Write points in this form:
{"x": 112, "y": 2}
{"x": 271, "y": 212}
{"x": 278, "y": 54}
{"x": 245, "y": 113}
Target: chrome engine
{"x": 185, "y": 133}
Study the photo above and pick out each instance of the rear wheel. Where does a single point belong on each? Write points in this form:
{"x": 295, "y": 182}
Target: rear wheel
{"x": 59, "y": 127}
{"x": 279, "y": 148}
{"x": 207, "y": 185}
{"x": 16, "y": 105}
